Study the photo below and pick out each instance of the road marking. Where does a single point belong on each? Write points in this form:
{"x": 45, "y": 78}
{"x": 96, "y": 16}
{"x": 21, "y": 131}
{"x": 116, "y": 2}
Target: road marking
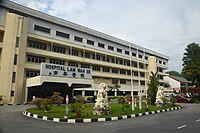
{"x": 198, "y": 120}
{"x": 181, "y": 126}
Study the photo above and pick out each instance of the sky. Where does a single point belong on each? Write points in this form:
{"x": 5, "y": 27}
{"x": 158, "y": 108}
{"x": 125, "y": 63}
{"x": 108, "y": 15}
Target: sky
{"x": 165, "y": 26}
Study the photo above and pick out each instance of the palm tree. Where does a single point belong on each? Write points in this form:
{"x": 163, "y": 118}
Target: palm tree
{"x": 152, "y": 88}
{"x": 114, "y": 87}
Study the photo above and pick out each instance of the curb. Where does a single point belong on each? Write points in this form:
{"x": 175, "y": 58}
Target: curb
{"x": 97, "y": 119}
{"x": 12, "y": 104}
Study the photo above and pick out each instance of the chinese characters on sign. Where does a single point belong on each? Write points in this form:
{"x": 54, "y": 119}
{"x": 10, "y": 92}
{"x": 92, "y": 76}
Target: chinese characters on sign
{"x": 48, "y": 69}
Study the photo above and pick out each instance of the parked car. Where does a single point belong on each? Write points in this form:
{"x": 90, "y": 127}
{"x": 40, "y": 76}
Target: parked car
{"x": 182, "y": 99}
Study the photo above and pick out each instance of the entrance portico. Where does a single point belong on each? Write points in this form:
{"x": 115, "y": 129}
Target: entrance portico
{"x": 52, "y": 79}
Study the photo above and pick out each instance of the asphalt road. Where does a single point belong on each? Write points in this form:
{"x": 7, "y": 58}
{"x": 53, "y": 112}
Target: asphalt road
{"x": 186, "y": 120}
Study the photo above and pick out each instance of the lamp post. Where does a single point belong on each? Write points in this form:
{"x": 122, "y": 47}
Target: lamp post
{"x": 140, "y": 101}
{"x": 132, "y": 101}
{"x": 145, "y": 80}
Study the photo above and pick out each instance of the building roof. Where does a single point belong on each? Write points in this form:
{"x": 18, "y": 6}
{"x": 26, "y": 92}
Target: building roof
{"x": 17, "y": 8}
{"x": 180, "y": 79}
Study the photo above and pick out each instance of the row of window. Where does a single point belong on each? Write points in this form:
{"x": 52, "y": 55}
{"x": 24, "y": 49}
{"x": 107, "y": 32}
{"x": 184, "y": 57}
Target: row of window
{"x": 33, "y": 73}
{"x": 91, "y": 42}
{"x": 37, "y": 59}
{"x": 86, "y": 54}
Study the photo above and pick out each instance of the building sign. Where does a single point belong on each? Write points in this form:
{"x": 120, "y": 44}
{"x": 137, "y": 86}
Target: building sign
{"x": 48, "y": 69}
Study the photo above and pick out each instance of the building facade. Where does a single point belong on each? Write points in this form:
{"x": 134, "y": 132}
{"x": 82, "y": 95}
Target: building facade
{"x": 29, "y": 37}
{"x": 178, "y": 84}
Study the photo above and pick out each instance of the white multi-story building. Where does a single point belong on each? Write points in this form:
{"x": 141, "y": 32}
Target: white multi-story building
{"x": 29, "y": 37}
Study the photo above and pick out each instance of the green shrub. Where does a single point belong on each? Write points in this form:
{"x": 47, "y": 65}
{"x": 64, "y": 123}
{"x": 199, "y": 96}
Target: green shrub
{"x": 42, "y": 103}
{"x": 80, "y": 99}
{"x": 89, "y": 98}
{"x": 46, "y": 104}
{"x": 196, "y": 100}
{"x": 123, "y": 101}
{"x": 173, "y": 101}
{"x": 37, "y": 102}
{"x": 78, "y": 107}
{"x": 1, "y": 98}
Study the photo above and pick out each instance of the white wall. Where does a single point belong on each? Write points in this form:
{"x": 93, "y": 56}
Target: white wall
{"x": 174, "y": 83}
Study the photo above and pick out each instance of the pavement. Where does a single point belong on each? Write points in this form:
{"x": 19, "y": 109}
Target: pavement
{"x": 186, "y": 120}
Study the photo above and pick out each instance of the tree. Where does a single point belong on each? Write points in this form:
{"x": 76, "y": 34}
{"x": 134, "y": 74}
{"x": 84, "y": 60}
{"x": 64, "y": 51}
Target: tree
{"x": 56, "y": 98}
{"x": 191, "y": 63}
{"x": 114, "y": 87}
{"x": 152, "y": 88}
{"x": 174, "y": 73}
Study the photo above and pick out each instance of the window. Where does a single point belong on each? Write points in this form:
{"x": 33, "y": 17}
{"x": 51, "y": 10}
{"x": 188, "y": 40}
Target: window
{"x": 134, "y": 54}
{"x": 12, "y": 93}
{"x": 119, "y": 50}
{"x": 140, "y": 56}
{"x": 160, "y": 77}
{"x": 108, "y": 59}
{"x": 90, "y": 42}
{"x": 110, "y": 47}
{"x": 87, "y": 55}
{"x": 103, "y": 58}
{"x": 122, "y": 71}
{"x": 142, "y": 82}
{"x": 101, "y": 45}
{"x": 114, "y": 70}
{"x": 121, "y": 61}
{"x": 142, "y": 74}
{"x": 128, "y": 63}
{"x": 96, "y": 68}
{"x": 42, "y": 29}
{"x": 122, "y": 81}
{"x": 35, "y": 59}
{"x": 17, "y": 41}
{"x": 78, "y": 39}
{"x": 128, "y": 72}
{"x": 141, "y": 65}
{"x": 114, "y": 81}
{"x": 113, "y": 60}
{"x": 160, "y": 62}
{"x": 98, "y": 57}
{"x": 73, "y": 64}
{"x": 134, "y": 64}
{"x": 160, "y": 69}
{"x": 146, "y": 58}
{"x": 13, "y": 77}
{"x": 126, "y": 52}
{"x": 164, "y": 63}
{"x": 32, "y": 73}
{"x": 85, "y": 66}
{"x": 55, "y": 61}
{"x": 58, "y": 49}
{"x": 15, "y": 59}
{"x": 38, "y": 45}
{"x": 135, "y": 73}
{"x": 62, "y": 34}
{"x": 106, "y": 69}
{"x": 73, "y": 52}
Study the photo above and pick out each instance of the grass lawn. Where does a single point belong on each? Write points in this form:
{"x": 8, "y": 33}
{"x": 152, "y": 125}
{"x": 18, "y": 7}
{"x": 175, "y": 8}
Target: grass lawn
{"x": 115, "y": 110}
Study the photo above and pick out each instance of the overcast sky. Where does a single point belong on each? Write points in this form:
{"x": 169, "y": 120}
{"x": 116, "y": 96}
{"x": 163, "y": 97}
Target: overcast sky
{"x": 166, "y": 26}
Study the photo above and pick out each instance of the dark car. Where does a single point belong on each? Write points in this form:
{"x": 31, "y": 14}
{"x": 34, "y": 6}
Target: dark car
{"x": 182, "y": 99}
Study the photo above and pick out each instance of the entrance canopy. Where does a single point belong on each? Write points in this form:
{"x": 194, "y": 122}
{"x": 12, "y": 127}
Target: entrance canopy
{"x": 58, "y": 78}
{"x": 72, "y": 82}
